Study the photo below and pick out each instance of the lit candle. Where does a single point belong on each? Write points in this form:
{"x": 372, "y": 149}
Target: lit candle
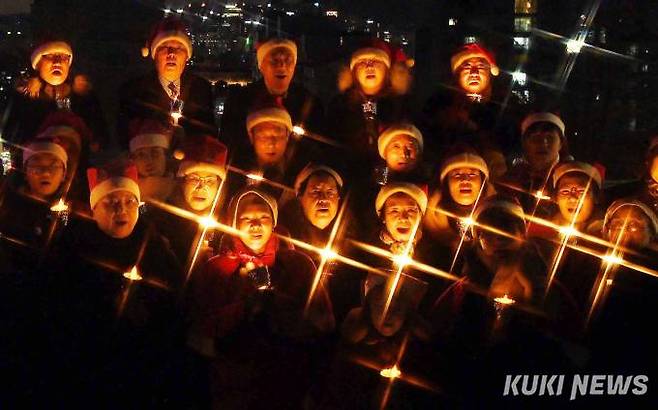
{"x": 60, "y": 206}
{"x": 391, "y": 372}
{"x": 132, "y": 274}
{"x": 176, "y": 111}
{"x": 297, "y": 129}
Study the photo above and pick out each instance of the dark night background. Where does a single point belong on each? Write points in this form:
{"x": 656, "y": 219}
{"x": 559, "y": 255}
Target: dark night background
{"x": 607, "y": 98}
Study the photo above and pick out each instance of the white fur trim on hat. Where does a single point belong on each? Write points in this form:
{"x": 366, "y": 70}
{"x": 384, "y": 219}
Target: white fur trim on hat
{"x": 464, "y": 160}
{"x": 311, "y": 169}
{"x": 36, "y": 148}
{"x": 620, "y": 203}
{"x": 174, "y": 35}
{"x": 149, "y": 140}
{"x": 459, "y": 58}
{"x": 235, "y": 205}
{"x": 404, "y": 187}
{"x": 61, "y": 131}
{"x": 542, "y": 117}
{"x": 370, "y": 53}
{"x": 404, "y": 129}
{"x": 113, "y": 184}
{"x": 50, "y": 48}
{"x": 576, "y": 166}
{"x": 272, "y": 44}
{"x": 278, "y": 115}
{"x": 188, "y": 167}
{"x": 511, "y": 207}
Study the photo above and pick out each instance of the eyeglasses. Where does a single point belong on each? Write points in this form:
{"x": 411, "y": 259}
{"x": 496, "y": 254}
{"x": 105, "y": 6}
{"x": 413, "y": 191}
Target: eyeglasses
{"x": 114, "y": 203}
{"x": 631, "y": 226}
{"x": 44, "y": 169}
{"x": 201, "y": 181}
{"x": 573, "y": 191}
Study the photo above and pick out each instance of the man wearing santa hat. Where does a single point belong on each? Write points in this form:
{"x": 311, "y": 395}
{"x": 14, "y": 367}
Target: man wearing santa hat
{"x": 117, "y": 277}
{"x": 53, "y": 88}
{"x": 170, "y": 90}
{"x": 277, "y": 60}
{"x": 467, "y": 111}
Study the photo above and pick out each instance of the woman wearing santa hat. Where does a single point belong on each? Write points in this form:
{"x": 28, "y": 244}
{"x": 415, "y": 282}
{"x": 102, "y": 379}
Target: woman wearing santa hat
{"x": 54, "y": 88}
{"x": 113, "y": 285}
{"x": 250, "y": 316}
{"x": 372, "y": 96}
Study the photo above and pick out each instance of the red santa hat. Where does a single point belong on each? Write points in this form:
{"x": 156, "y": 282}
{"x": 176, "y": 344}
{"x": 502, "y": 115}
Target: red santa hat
{"x": 507, "y": 204}
{"x": 204, "y": 154}
{"x": 112, "y": 178}
{"x": 311, "y": 169}
{"x": 278, "y": 115}
{"x": 234, "y": 206}
{"x": 628, "y": 202}
{"x": 414, "y": 191}
{"x": 50, "y": 47}
{"x": 65, "y": 125}
{"x": 464, "y": 160}
{"x": 148, "y": 133}
{"x": 548, "y": 117}
{"x": 44, "y": 146}
{"x": 474, "y": 50}
{"x": 262, "y": 49}
{"x": 590, "y": 171}
{"x": 168, "y": 29}
{"x": 398, "y": 129}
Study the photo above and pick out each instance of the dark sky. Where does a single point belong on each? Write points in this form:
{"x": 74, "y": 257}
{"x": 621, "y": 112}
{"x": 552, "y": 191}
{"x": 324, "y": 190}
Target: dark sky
{"x": 14, "y": 6}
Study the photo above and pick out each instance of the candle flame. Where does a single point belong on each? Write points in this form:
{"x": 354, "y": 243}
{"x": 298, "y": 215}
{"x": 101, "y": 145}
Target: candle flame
{"x": 401, "y": 261}
{"x": 208, "y": 222}
{"x": 132, "y": 274}
{"x": 391, "y": 372}
{"x": 612, "y": 259}
{"x": 60, "y": 206}
{"x": 298, "y": 130}
{"x": 539, "y": 194}
{"x": 505, "y": 300}
{"x": 255, "y": 177}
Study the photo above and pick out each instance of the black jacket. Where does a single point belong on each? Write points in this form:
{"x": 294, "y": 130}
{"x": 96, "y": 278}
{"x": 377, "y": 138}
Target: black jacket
{"x": 144, "y": 97}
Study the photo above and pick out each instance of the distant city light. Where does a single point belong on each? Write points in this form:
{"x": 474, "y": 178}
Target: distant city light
{"x": 574, "y": 46}
{"x": 332, "y": 13}
{"x": 290, "y": 13}
{"x": 452, "y": 21}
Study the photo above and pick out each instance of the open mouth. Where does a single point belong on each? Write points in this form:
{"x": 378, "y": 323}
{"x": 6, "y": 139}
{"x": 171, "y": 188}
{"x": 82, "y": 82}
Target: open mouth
{"x": 120, "y": 223}
{"x": 56, "y": 71}
{"x": 403, "y": 230}
{"x": 280, "y": 76}
{"x": 465, "y": 190}
{"x": 45, "y": 183}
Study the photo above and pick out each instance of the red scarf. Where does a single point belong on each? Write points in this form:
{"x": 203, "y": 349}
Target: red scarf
{"x": 240, "y": 255}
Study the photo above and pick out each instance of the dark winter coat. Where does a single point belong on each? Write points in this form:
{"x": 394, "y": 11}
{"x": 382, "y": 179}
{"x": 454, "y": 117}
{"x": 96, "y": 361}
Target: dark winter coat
{"x": 145, "y": 98}
{"x": 110, "y": 334}
{"x": 28, "y": 111}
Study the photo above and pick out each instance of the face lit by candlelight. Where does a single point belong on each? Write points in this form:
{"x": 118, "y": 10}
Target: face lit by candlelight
{"x": 116, "y": 214}
{"x": 541, "y": 145}
{"x": 370, "y": 75}
{"x": 254, "y": 219}
{"x": 150, "y": 161}
{"x": 170, "y": 59}
{"x": 270, "y": 141}
{"x": 395, "y": 316}
{"x": 320, "y": 199}
{"x": 474, "y": 75}
{"x": 401, "y": 153}
{"x": 200, "y": 189}
{"x": 278, "y": 69}
{"x": 637, "y": 232}
{"x": 464, "y": 185}
{"x": 570, "y": 189}
{"x": 44, "y": 174}
{"x": 401, "y": 215}
{"x": 54, "y": 68}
